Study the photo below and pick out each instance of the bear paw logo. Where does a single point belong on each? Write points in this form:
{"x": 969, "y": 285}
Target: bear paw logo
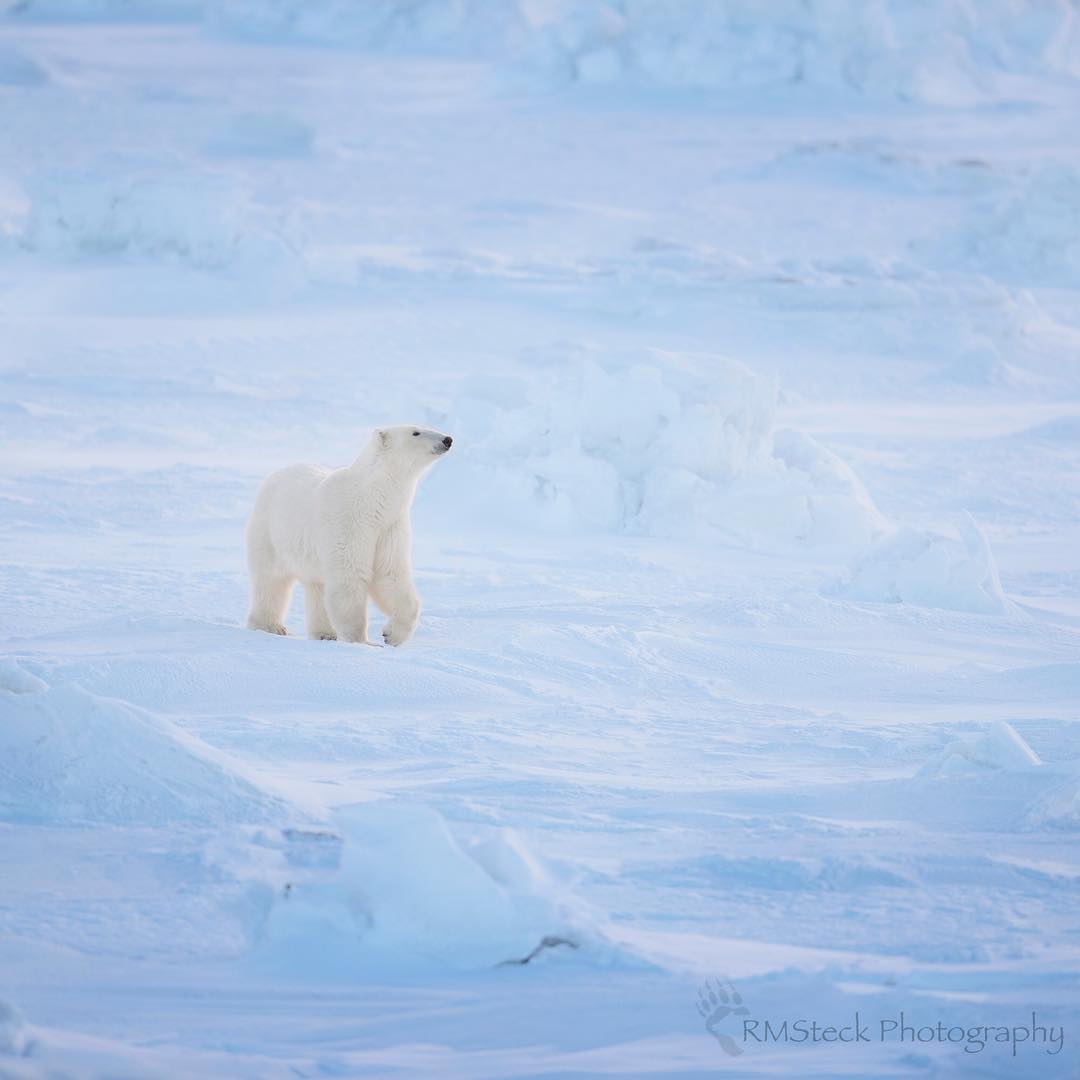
{"x": 717, "y": 1000}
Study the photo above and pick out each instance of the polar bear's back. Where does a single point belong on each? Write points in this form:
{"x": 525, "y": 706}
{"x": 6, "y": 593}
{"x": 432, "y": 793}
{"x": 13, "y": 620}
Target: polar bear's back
{"x": 280, "y": 528}
{"x": 295, "y": 479}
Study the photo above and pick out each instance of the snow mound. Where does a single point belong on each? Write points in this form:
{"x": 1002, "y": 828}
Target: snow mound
{"x": 18, "y": 69}
{"x": 654, "y": 448}
{"x": 1060, "y": 806}
{"x": 262, "y": 134}
{"x": 949, "y": 53}
{"x": 911, "y": 566}
{"x": 468, "y": 27}
{"x": 1030, "y": 235}
{"x": 407, "y": 895}
{"x": 110, "y": 10}
{"x": 14, "y": 680}
{"x": 14, "y": 1038}
{"x": 1063, "y": 431}
{"x": 69, "y": 756}
{"x": 1001, "y": 747}
{"x": 204, "y": 221}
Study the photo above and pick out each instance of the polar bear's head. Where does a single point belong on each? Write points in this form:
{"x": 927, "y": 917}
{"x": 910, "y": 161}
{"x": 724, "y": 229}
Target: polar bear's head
{"x": 414, "y": 446}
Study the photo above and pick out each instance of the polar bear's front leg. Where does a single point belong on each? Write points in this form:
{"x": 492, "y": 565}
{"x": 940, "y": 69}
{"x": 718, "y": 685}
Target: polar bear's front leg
{"x": 399, "y": 600}
{"x": 392, "y": 586}
{"x": 270, "y": 594}
{"x": 346, "y": 604}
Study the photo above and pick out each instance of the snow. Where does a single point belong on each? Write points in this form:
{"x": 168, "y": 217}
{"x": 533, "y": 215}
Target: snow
{"x": 407, "y": 896}
{"x": 750, "y": 637}
{"x": 152, "y": 218}
{"x": 1030, "y": 231}
{"x": 12, "y": 1031}
{"x": 649, "y": 446}
{"x": 915, "y": 567}
{"x": 71, "y": 756}
{"x": 18, "y": 69}
{"x": 458, "y": 27}
{"x": 947, "y": 54}
{"x": 999, "y": 748}
{"x": 262, "y": 134}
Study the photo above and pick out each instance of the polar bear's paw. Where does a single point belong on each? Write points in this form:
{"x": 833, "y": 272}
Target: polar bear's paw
{"x": 325, "y": 635}
{"x": 395, "y": 635}
{"x": 269, "y": 628}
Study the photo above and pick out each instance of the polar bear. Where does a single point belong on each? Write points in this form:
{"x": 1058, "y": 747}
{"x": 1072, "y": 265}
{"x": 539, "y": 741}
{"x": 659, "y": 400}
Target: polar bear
{"x": 346, "y": 535}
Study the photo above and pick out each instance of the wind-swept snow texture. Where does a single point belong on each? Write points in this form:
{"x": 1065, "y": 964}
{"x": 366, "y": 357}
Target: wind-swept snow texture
{"x": 748, "y": 681}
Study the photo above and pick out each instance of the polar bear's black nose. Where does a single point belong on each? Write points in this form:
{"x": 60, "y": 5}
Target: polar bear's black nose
{"x": 447, "y": 441}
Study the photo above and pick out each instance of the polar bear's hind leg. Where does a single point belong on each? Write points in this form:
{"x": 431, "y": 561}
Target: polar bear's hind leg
{"x": 319, "y": 625}
{"x": 270, "y": 595}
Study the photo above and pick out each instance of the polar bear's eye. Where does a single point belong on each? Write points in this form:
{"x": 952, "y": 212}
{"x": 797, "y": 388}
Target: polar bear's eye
{"x": 416, "y": 432}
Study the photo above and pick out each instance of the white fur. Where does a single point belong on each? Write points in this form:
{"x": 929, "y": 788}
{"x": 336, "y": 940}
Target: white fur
{"x": 346, "y": 535}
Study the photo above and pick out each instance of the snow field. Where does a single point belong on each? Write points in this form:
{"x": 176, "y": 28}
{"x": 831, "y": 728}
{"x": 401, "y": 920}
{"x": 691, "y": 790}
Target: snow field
{"x": 750, "y": 633}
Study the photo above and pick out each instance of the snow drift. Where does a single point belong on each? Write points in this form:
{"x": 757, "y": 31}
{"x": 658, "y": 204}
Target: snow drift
{"x": 408, "y": 895}
{"x": 262, "y": 134}
{"x": 951, "y": 53}
{"x": 1059, "y": 807}
{"x": 109, "y": 10}
{"x": 681, "y": 446}
{"x": 19, "y": 69}
{"x": 13, "y": 1034}
{"x": 912, "y": 566}
{"x": 1029, "y": 233}
{"x": 200, "y": 219}
{"x": 947, "y": 53}
{"x": 662, "y": 445}
{"x": 470, "y": 27}
{"x": 1000, "y": 747}
{"x": 69, "y": 756}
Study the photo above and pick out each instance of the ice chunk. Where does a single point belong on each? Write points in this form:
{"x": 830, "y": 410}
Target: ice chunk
{"x": 911, "y": 566}
{"x": 203, "y": 220}
{"x": 409, "y": 896}
{"x": 1060, "y": 806}
{"x": 1000, "y": 747}
{"x": 663, "y": 445}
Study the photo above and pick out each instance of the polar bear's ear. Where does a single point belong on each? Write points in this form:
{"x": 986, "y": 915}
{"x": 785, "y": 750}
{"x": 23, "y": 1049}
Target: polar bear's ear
{"x": 383, "y": 436}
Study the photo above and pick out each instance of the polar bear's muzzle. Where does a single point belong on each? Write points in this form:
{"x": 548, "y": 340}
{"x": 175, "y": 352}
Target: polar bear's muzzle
{"x": 442, "y": 447}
